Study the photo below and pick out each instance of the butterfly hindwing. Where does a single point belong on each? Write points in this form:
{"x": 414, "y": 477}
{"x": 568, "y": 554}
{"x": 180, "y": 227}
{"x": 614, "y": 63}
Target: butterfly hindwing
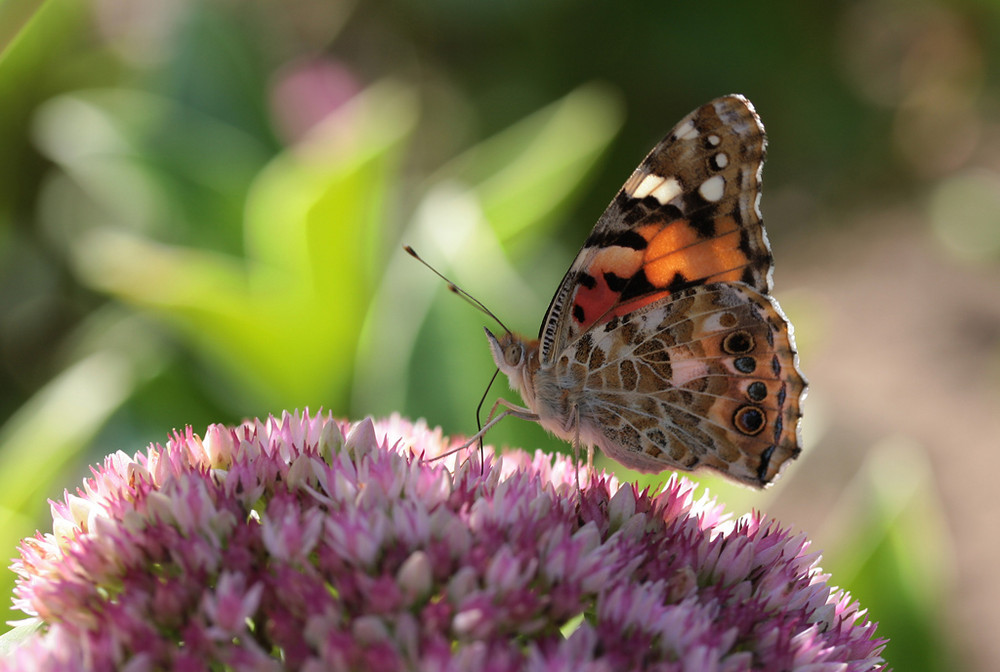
{"x": 704, "y": 377}
{"x": 688, "y": 215}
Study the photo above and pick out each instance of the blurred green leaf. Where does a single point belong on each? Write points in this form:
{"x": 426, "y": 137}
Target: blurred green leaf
{"x": 517, "y": 181}
{"x": 893, "y": 554}
{"x": 108, "y": 144}
{"x": 523, "y": 175}
{"x": 283, "y": 322}
{"x": 14, "y": 17}
{"x": 59, "y": 422}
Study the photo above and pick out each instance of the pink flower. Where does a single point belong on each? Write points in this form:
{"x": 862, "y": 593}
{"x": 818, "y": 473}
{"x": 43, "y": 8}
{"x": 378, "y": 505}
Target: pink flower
{"x": 309, "y": 543}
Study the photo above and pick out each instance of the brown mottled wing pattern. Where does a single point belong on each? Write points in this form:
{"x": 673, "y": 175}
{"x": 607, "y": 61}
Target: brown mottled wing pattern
{"x": 687, "y": 216}
{"x": 662, "y": 345}
{"x": 703, "y": 378}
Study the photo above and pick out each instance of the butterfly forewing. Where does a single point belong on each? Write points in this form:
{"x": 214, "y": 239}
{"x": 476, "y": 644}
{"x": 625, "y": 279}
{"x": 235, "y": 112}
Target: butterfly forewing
{"x": 688, "y": 215}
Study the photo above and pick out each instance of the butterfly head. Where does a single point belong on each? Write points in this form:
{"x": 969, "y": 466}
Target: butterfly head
{"x": 516, "y": 357}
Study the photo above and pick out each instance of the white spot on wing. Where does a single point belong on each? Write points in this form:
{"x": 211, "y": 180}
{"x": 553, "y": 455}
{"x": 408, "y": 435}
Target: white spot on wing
{"x": 714, "y": 140}
{"x": 648, "y": 184}
{"x": 667, "y": 191}
{"x": 721, "y": 160}
{"x": 712, "y": 188}
{"x": 687, "y": 131}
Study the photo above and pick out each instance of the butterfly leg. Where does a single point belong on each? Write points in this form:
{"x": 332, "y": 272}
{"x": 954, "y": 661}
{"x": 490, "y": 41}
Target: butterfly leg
{"x": 511, "y": 409}
{"x": 576, "y": 449}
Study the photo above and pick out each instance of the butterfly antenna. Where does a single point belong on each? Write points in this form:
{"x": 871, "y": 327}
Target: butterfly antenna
{"x": 452, "y": 287}
{"x": 479, "y": 422}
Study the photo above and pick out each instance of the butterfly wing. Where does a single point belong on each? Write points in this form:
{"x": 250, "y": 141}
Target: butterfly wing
{"x": 702, "y": 378}
{"x": 688, "y": 215}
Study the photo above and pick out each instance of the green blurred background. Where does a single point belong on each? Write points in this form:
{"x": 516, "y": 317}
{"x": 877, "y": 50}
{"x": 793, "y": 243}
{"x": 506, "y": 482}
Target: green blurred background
{"x": 202, "y": 205}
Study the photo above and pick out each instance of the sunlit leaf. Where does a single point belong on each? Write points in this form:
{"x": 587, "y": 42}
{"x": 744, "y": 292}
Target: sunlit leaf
{"x": 61, "y": 419}
{"x": 283, "y": 322}
{"x": 517, "y": 181}
{"x": 523, "y": 175}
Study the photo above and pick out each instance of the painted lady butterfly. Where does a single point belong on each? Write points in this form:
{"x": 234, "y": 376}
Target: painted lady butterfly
{"x": 662, "y": 345}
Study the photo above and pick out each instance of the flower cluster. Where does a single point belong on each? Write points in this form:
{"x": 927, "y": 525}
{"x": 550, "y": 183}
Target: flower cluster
{"x": 307, "y": 543}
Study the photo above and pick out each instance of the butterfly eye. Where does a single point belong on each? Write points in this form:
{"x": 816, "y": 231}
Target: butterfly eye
{"x": 513, "y": 354}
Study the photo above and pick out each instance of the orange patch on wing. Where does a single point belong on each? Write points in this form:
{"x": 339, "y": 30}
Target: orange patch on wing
{"x": 622, "y": 261}
{"x": 678, "y": 248}
{"x": 649, "y": 231}
{"x": 596, "y": 301}
{"x": 673, "y": 236}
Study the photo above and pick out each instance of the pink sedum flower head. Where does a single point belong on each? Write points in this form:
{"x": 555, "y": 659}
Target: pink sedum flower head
{"x": 307, "y": 543}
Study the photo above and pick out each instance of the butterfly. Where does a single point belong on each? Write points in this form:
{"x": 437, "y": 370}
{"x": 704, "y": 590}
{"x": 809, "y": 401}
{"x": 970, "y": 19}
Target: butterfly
{"x": 663, "y": 346}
